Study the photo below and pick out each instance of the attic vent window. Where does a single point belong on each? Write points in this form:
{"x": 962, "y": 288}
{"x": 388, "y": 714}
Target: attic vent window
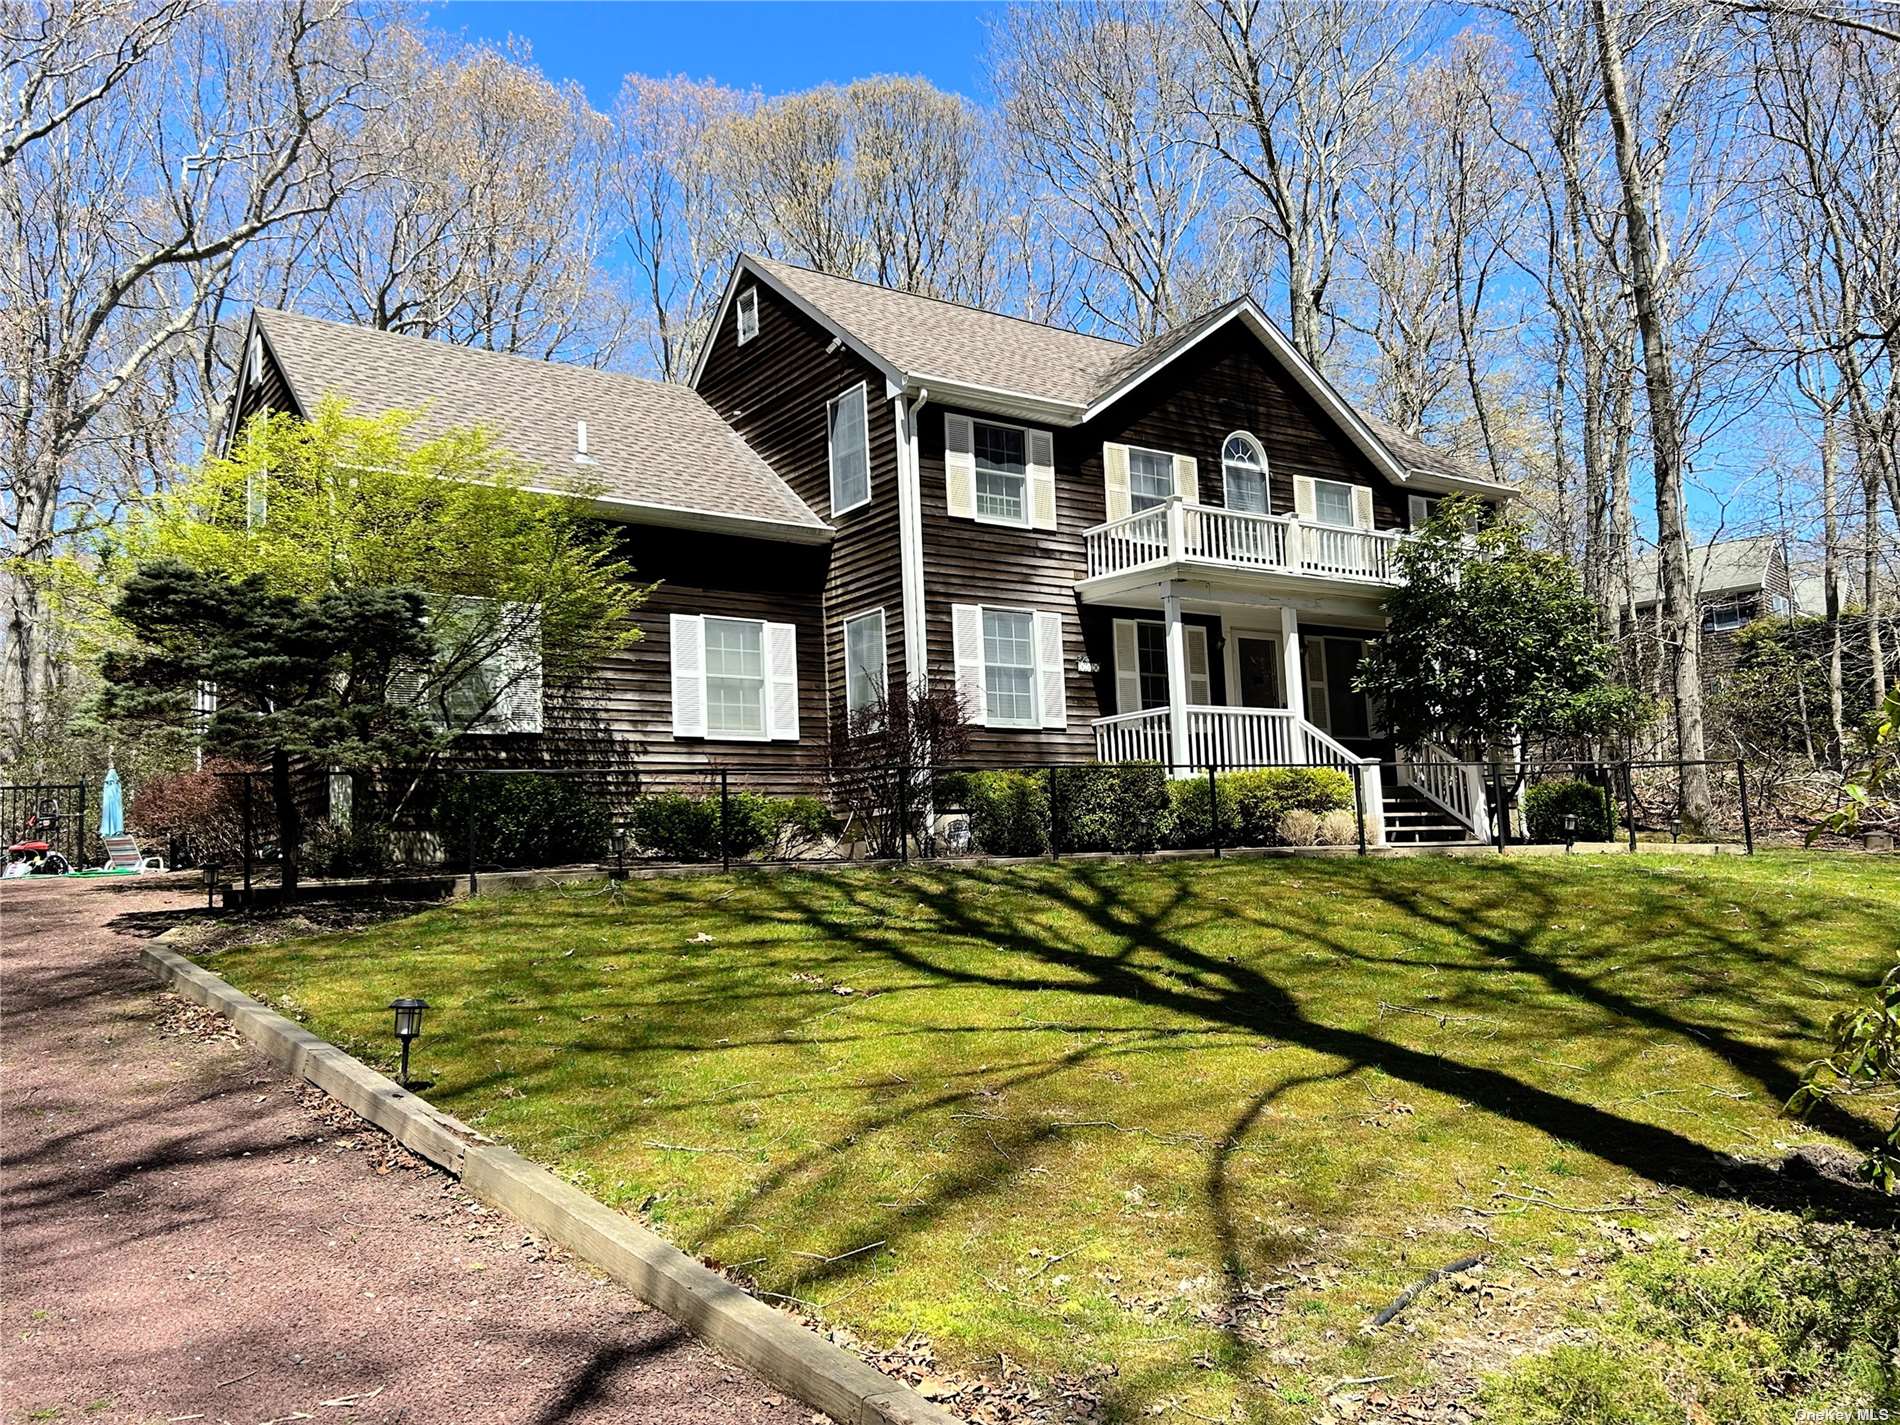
{"x": 748, "y": 315}
{"x": 581, "y": 457}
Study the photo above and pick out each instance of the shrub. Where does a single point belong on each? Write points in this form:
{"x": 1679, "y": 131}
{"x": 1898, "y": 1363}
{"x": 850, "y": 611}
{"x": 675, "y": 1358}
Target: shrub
{"x": 355, "y": 847}
{"x": 203, "y": 810}
{"x": 1299, "y": 827}
{"x": 1548, "y": 803}
{"x": 1254, "y": 804}
{"x": 522, "y": 819}
{"x": 1009, "y": 812}
{"x": 677, "y": 826}
{"x": 1338, "y": 828}
{"x": 1111, "y": 808}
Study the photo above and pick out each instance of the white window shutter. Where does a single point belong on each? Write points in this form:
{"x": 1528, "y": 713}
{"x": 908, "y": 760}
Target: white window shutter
{"x": 1050, "y": 671}
{"x": 781, "y": 682}
{"x": 959, "y": 466}
{"x": 1042, "y": 479}
{"x": 1418, "y": 509}
{"x": 688, "y": 633}
{"x": 1187, "y": 479}
{"x": 1127, "y": 667}
{"x": 1362, "y": 507}
{"x": 1304, "y": 501}
{"x": 966, "y": 638}
{"x": 1200, "y": 686}
{"x": 1115, "y": 479}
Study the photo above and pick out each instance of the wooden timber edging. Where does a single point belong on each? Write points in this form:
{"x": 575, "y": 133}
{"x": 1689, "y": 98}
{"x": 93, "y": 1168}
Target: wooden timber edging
{"x": 739, "y": 1326}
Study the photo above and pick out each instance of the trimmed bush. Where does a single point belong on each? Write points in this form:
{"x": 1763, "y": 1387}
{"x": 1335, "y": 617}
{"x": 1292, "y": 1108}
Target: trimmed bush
{"x": 522, "y": 819}
{"x": 1338, "y": 828}
{"x": 1547, "y": 803}
{"x": 677, "y": 826}
{"x": 1299, "y": 828}
{"x": 1009, "y": 812}
{"x": 1253, "y": 805}
{"x": 1111, "y": 808}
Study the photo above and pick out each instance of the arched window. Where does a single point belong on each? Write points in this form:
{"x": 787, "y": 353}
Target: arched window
{"x": 1244, "y": 472}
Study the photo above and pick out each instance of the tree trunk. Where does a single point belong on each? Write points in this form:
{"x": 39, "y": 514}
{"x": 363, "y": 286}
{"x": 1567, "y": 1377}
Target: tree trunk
{"x": 289, "y": 818}
{"x": 1831, "y": 579}
{"x": 1681, "y": 626}
{"x": 1870, "y": 580}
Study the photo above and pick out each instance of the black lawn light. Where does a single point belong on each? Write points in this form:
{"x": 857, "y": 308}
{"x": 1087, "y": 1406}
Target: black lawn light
{"x": 1570, "y": 830}
{"x": 211, "y": 869}
{"x": 1675, "y": 828}
{"x": 408, "y": 1026}
{"x": 619, "y": 842}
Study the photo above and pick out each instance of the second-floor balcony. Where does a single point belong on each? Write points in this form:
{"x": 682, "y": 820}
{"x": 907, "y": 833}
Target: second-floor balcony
{"x": 1176, "y": 533}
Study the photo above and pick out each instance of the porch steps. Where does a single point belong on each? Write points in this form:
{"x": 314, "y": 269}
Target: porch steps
{"x": 1411, "y": 820}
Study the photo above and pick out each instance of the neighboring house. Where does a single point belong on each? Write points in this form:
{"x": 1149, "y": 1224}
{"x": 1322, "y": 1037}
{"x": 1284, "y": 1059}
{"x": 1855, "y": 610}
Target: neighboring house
{"x": 1736, "y": 581}
{"x": 1171, "y": 552}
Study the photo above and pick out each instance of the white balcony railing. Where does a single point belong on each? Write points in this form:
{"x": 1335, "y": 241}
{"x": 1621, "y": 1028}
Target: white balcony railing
{"x": 1221, "y": 737}
{"x": 1175, "y": 532}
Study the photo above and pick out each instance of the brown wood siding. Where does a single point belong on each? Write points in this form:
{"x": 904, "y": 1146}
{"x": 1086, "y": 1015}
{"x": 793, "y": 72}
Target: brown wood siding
{"x": 774, "y": 391}
{"x": 270, "y": 393}
{"x": 1228, "y": 383}
{"x": 626, "y": 710}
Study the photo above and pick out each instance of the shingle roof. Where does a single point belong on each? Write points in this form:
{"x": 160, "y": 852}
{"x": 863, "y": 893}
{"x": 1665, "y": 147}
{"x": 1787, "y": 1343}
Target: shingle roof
{"x": 964, "y": 344}
{"x": 653, "y": 443}
{"x": 970, "y": 346}
{"x": 1727, "y": 566}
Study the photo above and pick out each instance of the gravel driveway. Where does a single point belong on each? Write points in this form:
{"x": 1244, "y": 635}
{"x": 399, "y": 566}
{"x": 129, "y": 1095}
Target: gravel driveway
{"x": 188, "y": 1235}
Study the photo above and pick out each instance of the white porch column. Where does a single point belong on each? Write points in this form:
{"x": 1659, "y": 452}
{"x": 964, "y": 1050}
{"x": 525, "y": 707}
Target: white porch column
{"x": 1292, "y": 670}
{"x": 1178, "y": 750}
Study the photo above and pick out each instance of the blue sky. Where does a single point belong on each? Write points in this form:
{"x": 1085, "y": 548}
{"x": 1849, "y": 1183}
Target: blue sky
{"x": 776, "y": 46}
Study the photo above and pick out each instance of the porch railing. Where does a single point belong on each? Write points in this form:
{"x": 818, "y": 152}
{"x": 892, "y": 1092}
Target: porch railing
{"x": 1457, "y": 786}
{"x": 1177, "y": 532}
{"x": 1221, "y": 737}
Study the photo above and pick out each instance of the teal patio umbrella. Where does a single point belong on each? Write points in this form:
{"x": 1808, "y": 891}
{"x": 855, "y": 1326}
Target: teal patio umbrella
{"x": 112, "y": 806}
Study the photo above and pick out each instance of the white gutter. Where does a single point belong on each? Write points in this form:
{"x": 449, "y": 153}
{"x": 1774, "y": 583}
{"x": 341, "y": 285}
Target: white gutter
{"x": 910, "y": 537}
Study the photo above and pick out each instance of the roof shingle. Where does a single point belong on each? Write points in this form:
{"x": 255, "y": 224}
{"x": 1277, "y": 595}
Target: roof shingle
{"x": 653, "y": 444}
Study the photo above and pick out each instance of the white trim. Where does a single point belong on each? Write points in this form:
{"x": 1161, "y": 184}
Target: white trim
{"x": 1260, "y": 459}
{"x": 863, "y": 390}
{"x": 883, "y": 649}
{"x": 981, "y": 660}
{"x": 706, "y": 732}
{"x": 746, "y": 266}
{"x": 976, "y": 504}
{"x": 910, "y": 539}
{"x": 1024, "y": 405}
{"x": 683, "y": 517}
{"x": 1302, "y": 371}
{"x": 739, "y": 330}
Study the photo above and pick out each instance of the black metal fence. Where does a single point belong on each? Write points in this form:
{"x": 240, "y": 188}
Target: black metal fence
{"x": 468, "y": 822}
{"x": 55, "y": 813}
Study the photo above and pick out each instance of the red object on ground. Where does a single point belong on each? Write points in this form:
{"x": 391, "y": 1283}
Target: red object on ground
{"x": 189, "y": 1231}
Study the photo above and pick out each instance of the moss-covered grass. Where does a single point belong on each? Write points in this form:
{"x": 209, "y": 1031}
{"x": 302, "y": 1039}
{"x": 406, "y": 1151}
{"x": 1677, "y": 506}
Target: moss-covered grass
{"x": 1197, "y": 1120}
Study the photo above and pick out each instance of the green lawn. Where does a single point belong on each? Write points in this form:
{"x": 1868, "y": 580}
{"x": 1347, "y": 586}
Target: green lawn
{"x": 1197, "y": 1120}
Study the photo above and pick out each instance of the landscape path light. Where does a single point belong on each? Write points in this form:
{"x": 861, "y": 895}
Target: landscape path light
{"x": 408, "y": 1027}
{"x": 1570, "y": 830}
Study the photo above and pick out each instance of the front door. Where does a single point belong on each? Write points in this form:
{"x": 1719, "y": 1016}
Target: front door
{"x": 1258, "y": 664}
{"x": 1348, "y": 714}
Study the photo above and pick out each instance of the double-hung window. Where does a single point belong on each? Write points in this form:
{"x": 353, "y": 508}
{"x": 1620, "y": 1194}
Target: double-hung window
{"x": 1150, "y": 478}
{"x": 1002, "y": 473}
{"x": 735, "y": 678}
{"x": 1151, "y": 663}
{"x": 864, "y": 662}
{"x": 850, "y": 456}
{"x": 1009, "y": 667}
{"x": 1332, "y": 503}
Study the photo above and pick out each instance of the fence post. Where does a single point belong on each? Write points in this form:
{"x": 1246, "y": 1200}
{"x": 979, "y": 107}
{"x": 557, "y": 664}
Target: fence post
{"x": 1748, "y": 826}
{"x": 1055, "y": 817}
{"x": 725, "y": 819}
{"x": 247, "y": 840}
{"x": 1359, "y": 804}
{"x": 903, "y": 812}
{"x": 1629, "y": 801}
{"x": 468, "y": 839}
{"x": 1500, "y": 813}
{"x": 79, "y": 844}
{"x": 1213, "y": 812}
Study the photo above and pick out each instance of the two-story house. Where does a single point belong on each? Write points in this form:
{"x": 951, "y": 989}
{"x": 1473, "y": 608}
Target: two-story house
{"x": 1170, "y": 552}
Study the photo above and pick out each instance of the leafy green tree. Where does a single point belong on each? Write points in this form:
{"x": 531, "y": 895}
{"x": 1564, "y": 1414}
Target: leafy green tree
{"x": 299, "y": 679}
{"x": 520, "y": 585}
{"x": 1487, "y": 636}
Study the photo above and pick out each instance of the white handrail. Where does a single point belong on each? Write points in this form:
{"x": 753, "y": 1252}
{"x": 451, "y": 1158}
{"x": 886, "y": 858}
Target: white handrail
{"x": 1176, "y": 531}
{"x": 1222, "y": 737}
{"x": 1455, "y": 786}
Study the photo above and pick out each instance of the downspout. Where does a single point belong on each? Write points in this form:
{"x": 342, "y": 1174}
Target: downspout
{"x": 910, "y": 537}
